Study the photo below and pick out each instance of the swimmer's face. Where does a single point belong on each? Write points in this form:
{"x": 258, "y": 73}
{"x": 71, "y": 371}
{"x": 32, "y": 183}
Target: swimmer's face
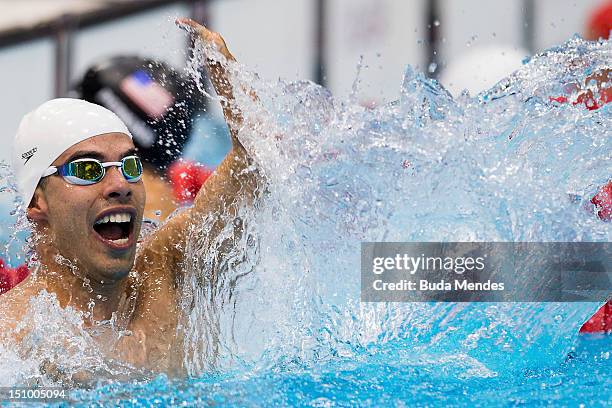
{"x": 94, "y": 226}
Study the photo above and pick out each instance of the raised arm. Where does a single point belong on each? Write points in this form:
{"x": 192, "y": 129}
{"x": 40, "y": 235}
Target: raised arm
{"x": 236, "y": 178}
{"x": 234, "y": 183}
{"x": 218, "y": 73}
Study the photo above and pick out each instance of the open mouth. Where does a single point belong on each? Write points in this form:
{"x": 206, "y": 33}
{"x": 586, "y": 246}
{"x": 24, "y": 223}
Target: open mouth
{"x": 115, "y": 228}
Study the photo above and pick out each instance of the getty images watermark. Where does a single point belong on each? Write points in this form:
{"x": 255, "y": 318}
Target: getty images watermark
{"x": 486, "y": 272}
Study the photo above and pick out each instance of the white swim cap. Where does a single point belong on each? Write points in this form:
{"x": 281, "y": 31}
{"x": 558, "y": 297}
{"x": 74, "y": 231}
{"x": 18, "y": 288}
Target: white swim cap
{"x": 51, "y": 129}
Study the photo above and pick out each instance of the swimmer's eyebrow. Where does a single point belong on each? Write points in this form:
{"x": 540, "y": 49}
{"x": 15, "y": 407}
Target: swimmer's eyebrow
{"x": 130, "y": 152}
{"x": 84, "y": 154}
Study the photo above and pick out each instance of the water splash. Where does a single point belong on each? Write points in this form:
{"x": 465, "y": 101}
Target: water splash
{"x": 14, "y": 225}
{"x": 55, "y": 348}
{"x": 506, "y": 165}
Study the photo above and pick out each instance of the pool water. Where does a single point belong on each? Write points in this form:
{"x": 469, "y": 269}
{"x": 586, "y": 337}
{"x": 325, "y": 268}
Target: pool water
{"x": 283, "y": 325}
{"x": 389, "y": 376}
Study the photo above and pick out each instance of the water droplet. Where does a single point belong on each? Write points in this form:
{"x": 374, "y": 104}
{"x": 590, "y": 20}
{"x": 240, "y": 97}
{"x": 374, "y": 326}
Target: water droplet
{"x": 432, "y": 67}
{"x": 437, "y": 23}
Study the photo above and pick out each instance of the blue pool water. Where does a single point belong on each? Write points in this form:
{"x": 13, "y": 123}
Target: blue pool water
{"x": 389, "y": 376}
{"x": 284, "y": 325}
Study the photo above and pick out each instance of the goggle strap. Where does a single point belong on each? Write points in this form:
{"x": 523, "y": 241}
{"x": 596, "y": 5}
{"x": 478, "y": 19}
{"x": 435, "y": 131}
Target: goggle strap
{"x": 51, "y": 170}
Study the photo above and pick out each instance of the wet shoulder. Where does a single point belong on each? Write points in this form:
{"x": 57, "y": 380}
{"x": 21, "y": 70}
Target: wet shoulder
{"x": 158, "y": 243}
{"x": 14, "y": 303}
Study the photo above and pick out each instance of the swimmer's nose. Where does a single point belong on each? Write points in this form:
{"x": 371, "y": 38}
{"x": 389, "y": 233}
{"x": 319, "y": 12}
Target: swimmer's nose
{"x": 115, "y": 185}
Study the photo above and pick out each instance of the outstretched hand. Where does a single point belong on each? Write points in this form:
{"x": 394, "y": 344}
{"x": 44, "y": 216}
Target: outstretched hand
{"x": 218, "y": 74}
{"x": 208, "y": 37}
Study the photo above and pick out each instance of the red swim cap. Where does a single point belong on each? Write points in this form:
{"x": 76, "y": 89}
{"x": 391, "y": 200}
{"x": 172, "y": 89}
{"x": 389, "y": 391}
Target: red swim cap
{"x": 187, "y": 178}
{"x": 600, "y": 322}
{"x": 603, "y": 202}
{"x": 600, "y": 22}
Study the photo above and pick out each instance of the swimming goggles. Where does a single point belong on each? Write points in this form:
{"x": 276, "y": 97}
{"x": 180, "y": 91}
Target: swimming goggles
{"x": 90, "y": 171}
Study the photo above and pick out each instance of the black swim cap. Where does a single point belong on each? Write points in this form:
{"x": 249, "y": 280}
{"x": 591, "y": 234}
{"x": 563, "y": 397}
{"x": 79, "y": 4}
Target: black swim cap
{"x": 155, "y": 101}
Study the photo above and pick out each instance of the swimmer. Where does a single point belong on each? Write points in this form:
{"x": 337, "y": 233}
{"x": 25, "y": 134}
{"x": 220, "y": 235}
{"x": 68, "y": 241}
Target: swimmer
{"x": 76, "y": 165}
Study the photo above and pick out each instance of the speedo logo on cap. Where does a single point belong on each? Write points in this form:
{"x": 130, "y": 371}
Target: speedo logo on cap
{"x": 28, "y": 155}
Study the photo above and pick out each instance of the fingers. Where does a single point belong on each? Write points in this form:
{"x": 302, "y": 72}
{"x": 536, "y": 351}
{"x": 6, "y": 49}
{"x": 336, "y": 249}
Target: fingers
{"x": 187, "y": 24}
{"x": 194, "y": 27}
{"x": 205, "y": 34}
